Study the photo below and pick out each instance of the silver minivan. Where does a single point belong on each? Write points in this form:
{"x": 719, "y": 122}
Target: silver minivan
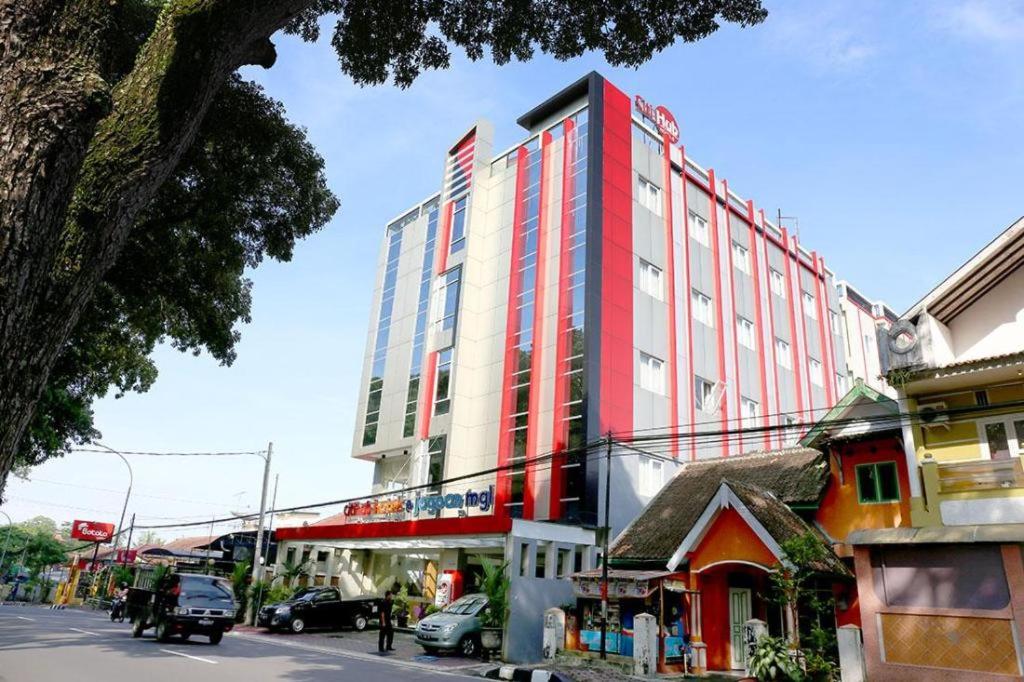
{"x": 455, "y": 628}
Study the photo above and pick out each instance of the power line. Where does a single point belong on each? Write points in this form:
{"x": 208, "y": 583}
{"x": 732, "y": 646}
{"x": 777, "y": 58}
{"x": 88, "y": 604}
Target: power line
{"x": 705, "y": 438}
{"x": 174, "y": 454}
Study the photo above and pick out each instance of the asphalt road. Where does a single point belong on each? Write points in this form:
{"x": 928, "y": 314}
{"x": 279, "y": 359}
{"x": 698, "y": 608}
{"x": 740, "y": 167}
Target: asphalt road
{"x": 40, "y": 645}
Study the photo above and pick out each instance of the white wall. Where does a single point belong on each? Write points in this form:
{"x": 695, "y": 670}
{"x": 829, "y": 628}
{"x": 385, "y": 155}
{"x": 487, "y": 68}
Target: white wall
{"x": 993, "y": 325}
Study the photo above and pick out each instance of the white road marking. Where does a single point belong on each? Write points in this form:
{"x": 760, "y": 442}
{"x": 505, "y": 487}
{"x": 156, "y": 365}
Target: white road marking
{"x": 24, "y": 618}
{"x": 194, "y": 658}
{"x": 85, "y": 632}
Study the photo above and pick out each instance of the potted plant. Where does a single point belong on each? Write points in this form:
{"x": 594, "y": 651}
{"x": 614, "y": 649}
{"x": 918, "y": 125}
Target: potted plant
{"x": 401, "y": 607}
{"x": 495, "y": 585}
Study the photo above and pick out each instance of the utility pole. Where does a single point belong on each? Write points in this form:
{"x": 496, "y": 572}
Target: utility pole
{"x": 265, "y": 557}
{"x": 128, "y": 547}
{"x": 257, "y": 569}
{"x": 604, "y": 556}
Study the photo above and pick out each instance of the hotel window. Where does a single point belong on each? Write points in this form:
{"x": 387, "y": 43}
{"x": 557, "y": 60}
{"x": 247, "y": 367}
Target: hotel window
{"x": 749, "y": 412}
{"x": 833, "y": 322}
{"x": 741, "y": 257}
{"x": 778, "y": 282}
{"x": 649, "y": 195}
{"x": 877, "y": 483}
{"x": 782, "y": 355}
{"x": 816, "y": 376}
{"x": 452, "y": 284}
{"x": 702, "y": 310}
{"x": 652, "y": 476}
{"x": 703, "y": 393}
{"x": 375, "y": 388}
{"x": 435, "y": 463}
{"x": 652, "y": 374}
{"x": 641, "y": 135}
{"x": 1002, "y": 437}
{"x": 841, "y": 384}
{"x": 459, "y": 225}
{"x": 442, "y": 395}
{"x": 699, "y": 229}
{"x": 745, "y": 333}
{"x": 651, "y": 280}
{"x": 809, "y": 308}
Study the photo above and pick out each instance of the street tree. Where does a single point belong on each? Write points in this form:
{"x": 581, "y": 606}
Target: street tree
{"x": 101, "y": 103}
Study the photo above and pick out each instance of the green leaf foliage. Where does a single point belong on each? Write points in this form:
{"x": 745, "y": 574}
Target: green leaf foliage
{"x": 377, "y": 40}
{"x": 249, "y": 188}
{"x": 495, "y": 585}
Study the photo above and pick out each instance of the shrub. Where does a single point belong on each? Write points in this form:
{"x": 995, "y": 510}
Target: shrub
{"x": 770, "y": 661}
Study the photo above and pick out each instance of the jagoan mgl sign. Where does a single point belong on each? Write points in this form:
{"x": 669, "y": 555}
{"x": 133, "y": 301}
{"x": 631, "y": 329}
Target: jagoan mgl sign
{"x": 471, "y": 499}
{"x": 661, "y": 117}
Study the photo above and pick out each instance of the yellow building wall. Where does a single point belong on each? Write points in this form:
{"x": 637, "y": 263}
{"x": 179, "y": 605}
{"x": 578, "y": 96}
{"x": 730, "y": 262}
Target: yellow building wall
{"x": 960, "y": 441}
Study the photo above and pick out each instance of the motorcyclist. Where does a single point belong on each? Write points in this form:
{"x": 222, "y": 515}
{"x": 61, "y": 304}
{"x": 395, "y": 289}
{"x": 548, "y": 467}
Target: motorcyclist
{"x": 120, "y": 598}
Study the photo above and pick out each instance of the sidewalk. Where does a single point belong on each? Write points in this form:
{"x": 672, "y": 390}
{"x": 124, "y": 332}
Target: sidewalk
{"x": 364, "y": 644}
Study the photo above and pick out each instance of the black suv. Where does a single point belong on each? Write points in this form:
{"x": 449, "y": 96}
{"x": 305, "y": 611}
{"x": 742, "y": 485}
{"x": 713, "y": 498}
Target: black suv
{"x": 183, "y": 604}
{"x": 319, "y": 607}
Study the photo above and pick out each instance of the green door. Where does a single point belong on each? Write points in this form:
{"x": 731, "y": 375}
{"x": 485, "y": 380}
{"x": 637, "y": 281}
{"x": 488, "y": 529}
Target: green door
{"x": 739, "y": 613}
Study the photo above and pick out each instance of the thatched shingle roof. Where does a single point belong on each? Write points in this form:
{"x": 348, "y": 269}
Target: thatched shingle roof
{"x": 794, "y": 477}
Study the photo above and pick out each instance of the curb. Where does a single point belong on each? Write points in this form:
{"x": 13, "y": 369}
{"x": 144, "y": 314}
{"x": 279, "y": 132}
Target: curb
{"x": 510, "y": 672}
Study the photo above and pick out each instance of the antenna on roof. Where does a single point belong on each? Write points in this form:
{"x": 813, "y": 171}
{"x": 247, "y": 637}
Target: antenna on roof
{"x": 795, "y": 219}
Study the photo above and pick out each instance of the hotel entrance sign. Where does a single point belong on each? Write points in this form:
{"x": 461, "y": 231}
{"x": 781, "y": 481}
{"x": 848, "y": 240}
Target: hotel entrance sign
{"x": 661, "y": 117}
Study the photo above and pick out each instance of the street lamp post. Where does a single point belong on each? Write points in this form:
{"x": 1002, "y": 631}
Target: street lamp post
{"x": 124, "y": 508}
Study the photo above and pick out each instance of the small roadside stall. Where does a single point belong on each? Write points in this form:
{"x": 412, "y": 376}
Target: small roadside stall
{"x": 663, "y": 594}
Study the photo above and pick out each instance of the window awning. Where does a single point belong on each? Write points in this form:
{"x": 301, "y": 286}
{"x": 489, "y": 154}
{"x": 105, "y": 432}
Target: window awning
{"x": 996, "y": 532}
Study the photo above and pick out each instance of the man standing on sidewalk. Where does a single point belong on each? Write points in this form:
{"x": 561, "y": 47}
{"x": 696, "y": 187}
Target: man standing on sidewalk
{"x": 387, "y": 631}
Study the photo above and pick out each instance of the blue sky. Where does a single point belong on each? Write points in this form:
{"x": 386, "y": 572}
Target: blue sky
{"x": 891, "y": 129}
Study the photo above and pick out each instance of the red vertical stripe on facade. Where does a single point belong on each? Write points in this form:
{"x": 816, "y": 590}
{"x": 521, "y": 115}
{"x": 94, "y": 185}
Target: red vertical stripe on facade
{"x": 427, "y": 393}
{"x": 670, "y": 278}
{"x": 616, "y": 409}
{"x": 536, "y": 371}
{"x": 689, "y": 315}
{"x": 511, "y": 338}
{"x": 716, "y": 250}
{"x": 444, "y": 243}
{"x": 809, "y": 416}
{"x": 559, "y": 432}
{"x": 831, "y": 332}
{"x": 771, "y": 325}
{"x": 827, "y": 362}
{"x": 794, "y": 340}
{"x": 734, "y": 323}
{"x": 762, "y": 354}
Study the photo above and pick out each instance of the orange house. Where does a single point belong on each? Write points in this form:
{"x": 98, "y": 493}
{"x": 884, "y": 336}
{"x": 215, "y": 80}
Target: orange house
{"x": 721, "y": 525}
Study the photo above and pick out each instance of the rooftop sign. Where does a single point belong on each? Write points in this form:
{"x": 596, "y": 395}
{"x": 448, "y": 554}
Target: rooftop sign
{"x": 661, "y": 117}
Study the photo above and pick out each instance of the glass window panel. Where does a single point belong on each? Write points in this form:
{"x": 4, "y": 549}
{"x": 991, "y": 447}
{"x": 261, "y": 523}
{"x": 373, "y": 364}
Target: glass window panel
{"x": 866, "y": 489}
{"x": 998, "y": 443}
{"x": 888, "y": 482}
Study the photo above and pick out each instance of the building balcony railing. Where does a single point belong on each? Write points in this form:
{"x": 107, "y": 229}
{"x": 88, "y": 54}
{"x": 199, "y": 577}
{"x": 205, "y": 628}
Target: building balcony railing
{"x": 958, "y": 477}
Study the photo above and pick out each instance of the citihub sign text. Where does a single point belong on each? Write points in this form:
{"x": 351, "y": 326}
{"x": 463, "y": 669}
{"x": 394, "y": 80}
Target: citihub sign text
{"x": 661, "y": 117}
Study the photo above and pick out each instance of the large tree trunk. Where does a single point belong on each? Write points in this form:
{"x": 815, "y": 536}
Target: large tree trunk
{"x": 79, "y": 160}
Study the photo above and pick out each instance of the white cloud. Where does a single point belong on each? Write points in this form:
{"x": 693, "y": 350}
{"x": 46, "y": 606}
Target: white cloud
{"x": 1000, "y": 21}
{"x": 827, "y": 36}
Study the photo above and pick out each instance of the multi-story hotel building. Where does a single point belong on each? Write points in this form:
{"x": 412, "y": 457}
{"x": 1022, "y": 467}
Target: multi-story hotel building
{"x": 591, "y": 280}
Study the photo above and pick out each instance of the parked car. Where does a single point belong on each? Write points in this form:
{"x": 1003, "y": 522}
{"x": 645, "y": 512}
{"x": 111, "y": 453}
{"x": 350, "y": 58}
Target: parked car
{"x": 319, "y": 607}
{"x": 455, "y": 628}
{"x": 183, "y": 604}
